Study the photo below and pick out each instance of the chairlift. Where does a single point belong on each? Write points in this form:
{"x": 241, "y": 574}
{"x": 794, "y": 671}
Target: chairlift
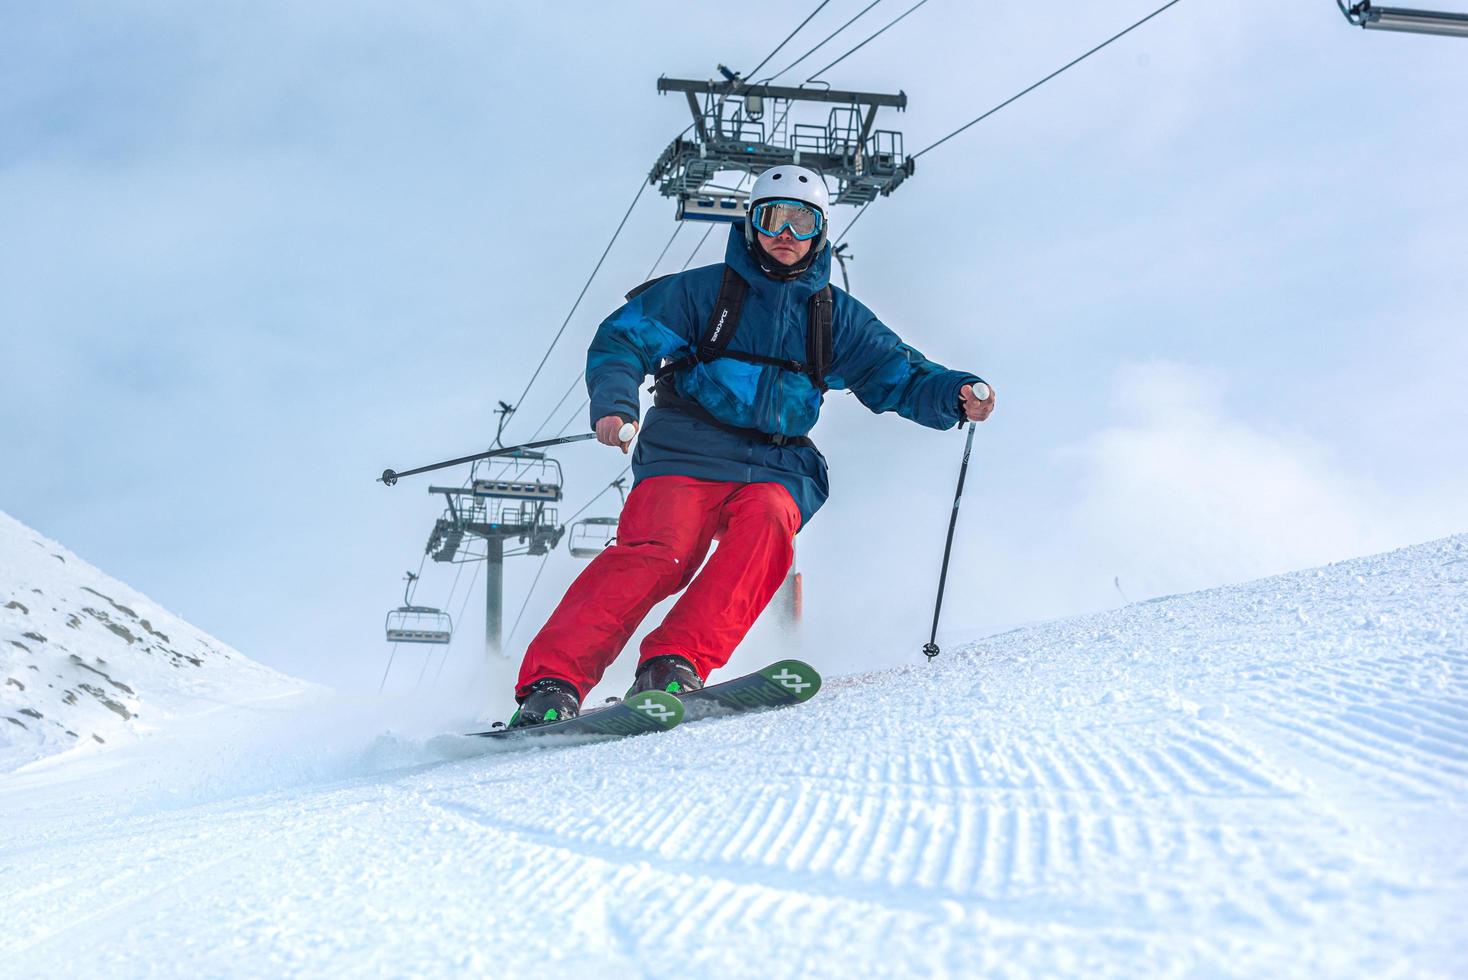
{"x": 417, "y": 624}
{"x": 590, "y": 536}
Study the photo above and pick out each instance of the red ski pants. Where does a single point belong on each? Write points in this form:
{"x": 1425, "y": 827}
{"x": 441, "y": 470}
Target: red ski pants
{"x": 663, "y": 535}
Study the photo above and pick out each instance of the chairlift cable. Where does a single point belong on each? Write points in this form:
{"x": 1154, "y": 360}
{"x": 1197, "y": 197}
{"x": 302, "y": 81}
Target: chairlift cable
{"x": 530, "y": 592}
{"x": 418, "y": 575}
{"x": 817, "y": 74}
{"x": 1026, "y": 91}
{"x": 422, "y": 670}
{"x": 579, "y": 377}
{"x": 469, "y": 591}
{"x": 678, "y": 226}
{"x": 853, "y": 224}
{"x": 441, "y": 661}
{"x": 453, "y": 588}
{"x": 599, "y": 493}
{"x": 390, "y": 655}
{"x": 932, "y": 146}
{"x": 694, "y": 254}
{"x": 538, "y": 429}
{"x": 576, "y": 414}
{"x": 818, "y": 47}
{"x": 669, "y": 243}
{"x": 641, "y": 186}
{"x": 798, "y": 29}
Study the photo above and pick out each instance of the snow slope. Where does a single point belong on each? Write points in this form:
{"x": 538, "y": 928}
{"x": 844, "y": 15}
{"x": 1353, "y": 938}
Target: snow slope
{"x": 88, "y": 662}
{"x": 1262, "y": 780}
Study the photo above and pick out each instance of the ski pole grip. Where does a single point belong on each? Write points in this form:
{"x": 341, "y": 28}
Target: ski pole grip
{"x": 626, "y": 432}
{"x": 981, "y": 391}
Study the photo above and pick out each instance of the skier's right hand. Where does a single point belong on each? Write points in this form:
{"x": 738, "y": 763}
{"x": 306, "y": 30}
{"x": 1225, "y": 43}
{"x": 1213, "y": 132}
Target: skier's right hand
{"x": 607, "y": 429}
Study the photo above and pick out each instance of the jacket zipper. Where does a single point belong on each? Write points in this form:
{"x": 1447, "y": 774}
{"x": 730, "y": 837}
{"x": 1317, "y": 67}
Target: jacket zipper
{"x": 764, "y": 410}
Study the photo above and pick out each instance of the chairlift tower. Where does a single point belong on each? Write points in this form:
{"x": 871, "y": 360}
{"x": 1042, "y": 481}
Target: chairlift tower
{"x": 747, "y": 127}
{"x": 510, "y": 504}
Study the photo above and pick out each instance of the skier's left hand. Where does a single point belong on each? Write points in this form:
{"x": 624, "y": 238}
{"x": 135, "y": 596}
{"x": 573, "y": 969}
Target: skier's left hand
{"x": 609, "y": 431}
{"x": 975, "y": 409}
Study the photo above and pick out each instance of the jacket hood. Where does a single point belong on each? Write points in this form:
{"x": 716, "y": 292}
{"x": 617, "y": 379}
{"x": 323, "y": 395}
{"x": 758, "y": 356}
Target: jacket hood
{"x": 809, "y": 282}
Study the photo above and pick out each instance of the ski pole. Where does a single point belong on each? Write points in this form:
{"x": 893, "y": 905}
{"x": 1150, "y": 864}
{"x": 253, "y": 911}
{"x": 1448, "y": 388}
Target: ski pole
{"x": 389, "y": 477}
{"x": 930, "y": 649}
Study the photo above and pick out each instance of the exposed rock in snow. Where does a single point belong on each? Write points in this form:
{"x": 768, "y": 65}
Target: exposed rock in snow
{"x": 87, "y": 661}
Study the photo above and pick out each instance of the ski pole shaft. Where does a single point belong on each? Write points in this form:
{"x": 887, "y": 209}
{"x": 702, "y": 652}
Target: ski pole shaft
{"x": 930, "y": 649}
{"x": 389, "y": 477}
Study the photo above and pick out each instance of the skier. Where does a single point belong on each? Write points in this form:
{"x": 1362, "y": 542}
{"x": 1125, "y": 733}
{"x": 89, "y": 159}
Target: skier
{"x": 742, "y": 353}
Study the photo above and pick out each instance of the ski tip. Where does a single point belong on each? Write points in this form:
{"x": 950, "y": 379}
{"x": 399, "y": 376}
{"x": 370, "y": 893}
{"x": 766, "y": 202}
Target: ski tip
{"x": 800, "y": 679}
{"x": 659, "y": 707}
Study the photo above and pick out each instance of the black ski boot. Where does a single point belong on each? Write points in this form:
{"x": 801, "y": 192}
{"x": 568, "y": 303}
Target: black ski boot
{"x": 669, "y": 673}
{"x": 550, "y": 699}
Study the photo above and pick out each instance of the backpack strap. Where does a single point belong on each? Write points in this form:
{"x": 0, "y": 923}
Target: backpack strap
{"x": 687, "y": 406}
{"x": 818, "y": 338}
{"x": 718, "y": 332}
{"x": 724, "y": 320}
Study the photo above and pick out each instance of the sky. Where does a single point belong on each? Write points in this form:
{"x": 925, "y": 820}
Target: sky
{"x": 250, "y": 255}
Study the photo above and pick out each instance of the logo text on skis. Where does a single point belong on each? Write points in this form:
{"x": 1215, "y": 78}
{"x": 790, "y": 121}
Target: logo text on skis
{"x": 790, "y": 680}
{"x": 652, "y": 709}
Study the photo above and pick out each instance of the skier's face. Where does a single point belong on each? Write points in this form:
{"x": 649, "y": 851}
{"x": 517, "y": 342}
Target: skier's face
{"x": 784, "y": 248}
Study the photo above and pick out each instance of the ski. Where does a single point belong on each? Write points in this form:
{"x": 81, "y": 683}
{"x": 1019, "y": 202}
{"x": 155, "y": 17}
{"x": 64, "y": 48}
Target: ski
{"x": 651, "y": 711}
{"x": 782, "y": 683}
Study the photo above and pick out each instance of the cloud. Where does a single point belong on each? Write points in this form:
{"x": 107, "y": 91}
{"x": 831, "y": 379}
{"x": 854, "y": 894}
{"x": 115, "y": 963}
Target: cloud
{"x": 1179, "y": 493}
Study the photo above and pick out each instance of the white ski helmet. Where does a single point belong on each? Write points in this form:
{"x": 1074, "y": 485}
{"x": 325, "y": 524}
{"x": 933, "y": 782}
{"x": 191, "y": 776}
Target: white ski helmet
{"x": 790, "y": 183}
{"x": 794, "y": 184}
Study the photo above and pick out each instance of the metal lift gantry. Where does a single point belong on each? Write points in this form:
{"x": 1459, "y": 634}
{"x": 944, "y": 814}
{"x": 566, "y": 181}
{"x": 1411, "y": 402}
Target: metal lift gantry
{"x": 511, "y": 502}
{"x": 1370, "y": 17}
{"x": 747, "y": 127}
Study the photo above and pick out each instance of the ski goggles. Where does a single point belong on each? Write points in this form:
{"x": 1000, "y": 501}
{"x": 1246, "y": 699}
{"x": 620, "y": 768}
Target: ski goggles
{"x": 772, "y": 217}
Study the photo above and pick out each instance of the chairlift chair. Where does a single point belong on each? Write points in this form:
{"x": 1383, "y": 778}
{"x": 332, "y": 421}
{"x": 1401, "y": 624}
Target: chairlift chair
{"x": 417, "y": 624}
{"x": 590, "y": 536}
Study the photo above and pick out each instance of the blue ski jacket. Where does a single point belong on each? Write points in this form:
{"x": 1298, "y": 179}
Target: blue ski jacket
{"x": 667, "y": 320}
